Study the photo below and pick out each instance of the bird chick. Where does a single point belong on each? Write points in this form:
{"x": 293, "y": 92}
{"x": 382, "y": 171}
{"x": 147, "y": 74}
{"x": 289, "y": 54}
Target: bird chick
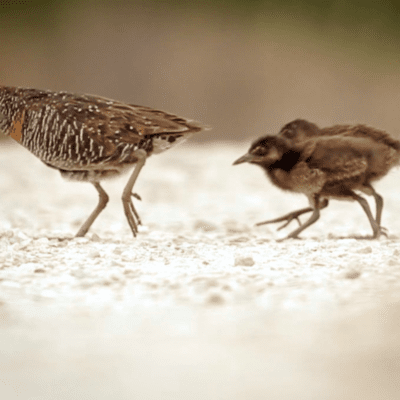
{"x": 323, "y": 168}
{"x": 90, "y": 138}
{"x": 300, "y": 130}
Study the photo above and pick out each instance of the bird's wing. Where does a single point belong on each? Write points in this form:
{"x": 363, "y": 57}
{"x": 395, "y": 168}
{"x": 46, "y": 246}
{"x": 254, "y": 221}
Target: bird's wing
{"x": 377, "y": 135}
{"x": 336, "y": 130}
{"x": 97, "y": 121}
{"x": 85, "y": 126}
{"x": 110, "y": 119}
{"x": 156, "y": 122}
{"x": 339, "y": 158}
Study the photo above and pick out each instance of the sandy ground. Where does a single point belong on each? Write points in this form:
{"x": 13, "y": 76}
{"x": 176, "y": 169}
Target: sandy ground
{"x": 202, "y": 304}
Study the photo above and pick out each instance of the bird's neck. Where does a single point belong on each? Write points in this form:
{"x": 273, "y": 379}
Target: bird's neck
{"x": 288, "y": 160}
{"x": 279, "y": 171}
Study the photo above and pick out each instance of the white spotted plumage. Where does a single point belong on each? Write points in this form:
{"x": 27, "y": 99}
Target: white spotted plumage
{"x": 87, "y": 137}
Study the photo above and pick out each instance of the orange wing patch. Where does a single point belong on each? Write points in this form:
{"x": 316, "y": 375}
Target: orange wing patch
{"x": 16, "y": 128}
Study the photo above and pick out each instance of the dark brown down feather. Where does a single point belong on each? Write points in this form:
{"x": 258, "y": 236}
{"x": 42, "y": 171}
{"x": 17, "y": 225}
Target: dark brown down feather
{"x": 332, "y": 163}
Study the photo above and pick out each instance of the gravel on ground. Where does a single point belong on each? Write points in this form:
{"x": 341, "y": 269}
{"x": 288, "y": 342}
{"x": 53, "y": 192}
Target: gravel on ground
{"x": 201, "y": 304}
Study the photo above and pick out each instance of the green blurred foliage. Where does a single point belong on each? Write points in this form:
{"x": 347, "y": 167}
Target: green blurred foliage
{"x": 384, "y": 14}
{"x": 328, "y": 61}
{"x": 31, "y": 14}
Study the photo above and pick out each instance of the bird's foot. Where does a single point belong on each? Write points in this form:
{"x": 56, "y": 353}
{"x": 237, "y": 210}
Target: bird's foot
{"x": 380, "y": 231}
{"x": 294, "y": 215}
{"x": 136, "y": 196}
{"x": 384, "y": 231}
{"x": 131, "y": 214}
{"x": 290, "y": 236}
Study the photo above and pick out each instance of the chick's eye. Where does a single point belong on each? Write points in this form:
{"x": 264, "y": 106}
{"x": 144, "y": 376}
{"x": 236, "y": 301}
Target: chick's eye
{"x": 289, "y": 134}
{"x": 259, "y": 151}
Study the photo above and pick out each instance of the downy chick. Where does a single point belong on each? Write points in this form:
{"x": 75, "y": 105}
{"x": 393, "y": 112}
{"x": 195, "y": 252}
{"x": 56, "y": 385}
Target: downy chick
{"x": 323, "y": 168}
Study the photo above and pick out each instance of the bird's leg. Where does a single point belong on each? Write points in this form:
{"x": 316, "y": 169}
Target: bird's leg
{"x": 287, "y": 217}
{"x": 379, "y": 206}
{"x": 130, "y": 212}
{"x": 103, "y": 200}
{"x": 378, "y": 203}
{"x": 374, "y": 224}
{"x": 316, "y": 206}
{"x": 368, "y": 189}
{"x": 293, "y": 215}
{"x": 314, "y": 217}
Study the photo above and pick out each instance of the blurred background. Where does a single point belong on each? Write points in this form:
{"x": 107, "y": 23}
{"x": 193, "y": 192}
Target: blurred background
{"x": 244, "y": 68}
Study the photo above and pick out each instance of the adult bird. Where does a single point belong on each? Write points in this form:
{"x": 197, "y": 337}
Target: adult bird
{"x": 90, "y": 138}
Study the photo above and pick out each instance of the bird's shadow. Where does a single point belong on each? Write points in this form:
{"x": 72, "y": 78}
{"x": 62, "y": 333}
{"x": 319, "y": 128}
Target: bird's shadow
{"x": 334, "y": 237}
{"x": 361, "y": 237}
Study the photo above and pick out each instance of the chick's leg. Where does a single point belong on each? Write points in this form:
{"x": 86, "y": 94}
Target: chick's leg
{"x": 314, "y": 218}
{"x": 294, "y": 215}
{"x": 316, "y": 206}
{"x": 368, "y": 189}
{"x": 364, "y": 204}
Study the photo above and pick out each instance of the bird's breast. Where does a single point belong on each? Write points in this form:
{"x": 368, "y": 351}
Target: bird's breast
{"x": 300, "y": 179}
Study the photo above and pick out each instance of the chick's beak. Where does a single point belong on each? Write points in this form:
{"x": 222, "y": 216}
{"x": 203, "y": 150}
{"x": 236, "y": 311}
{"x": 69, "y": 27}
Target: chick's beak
{"x": 246, "y": 158}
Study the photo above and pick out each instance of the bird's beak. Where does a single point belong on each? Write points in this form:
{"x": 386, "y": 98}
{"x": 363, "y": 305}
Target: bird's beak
{"x": 250, "y": 158}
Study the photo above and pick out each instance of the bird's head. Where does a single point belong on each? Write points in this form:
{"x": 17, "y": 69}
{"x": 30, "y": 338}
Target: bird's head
{"x": 299, "y": 130}
{"x": 265, "y": 151}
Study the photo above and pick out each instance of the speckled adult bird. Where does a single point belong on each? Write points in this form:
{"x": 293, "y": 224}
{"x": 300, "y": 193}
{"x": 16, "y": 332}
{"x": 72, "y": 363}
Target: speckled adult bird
{"x": 323, "y": 168}
{"x": 90, "y": 138}
{"x": 300, "y": 130}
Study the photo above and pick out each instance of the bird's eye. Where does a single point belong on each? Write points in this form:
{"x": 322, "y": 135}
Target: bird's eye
{"x": 289, "y": 133}
{"x": 259, "y": 151}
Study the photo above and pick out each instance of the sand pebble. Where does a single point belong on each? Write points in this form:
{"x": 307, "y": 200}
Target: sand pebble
{"x": 205, "y": 226}
{"x": 365, "y": 250}
{"x": 215, "y": 299}
{"x": 244, "y": 261}
{"x": 352, "y": 274}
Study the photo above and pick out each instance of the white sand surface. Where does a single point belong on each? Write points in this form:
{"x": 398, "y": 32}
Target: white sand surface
{"x": 202, "y": 304}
